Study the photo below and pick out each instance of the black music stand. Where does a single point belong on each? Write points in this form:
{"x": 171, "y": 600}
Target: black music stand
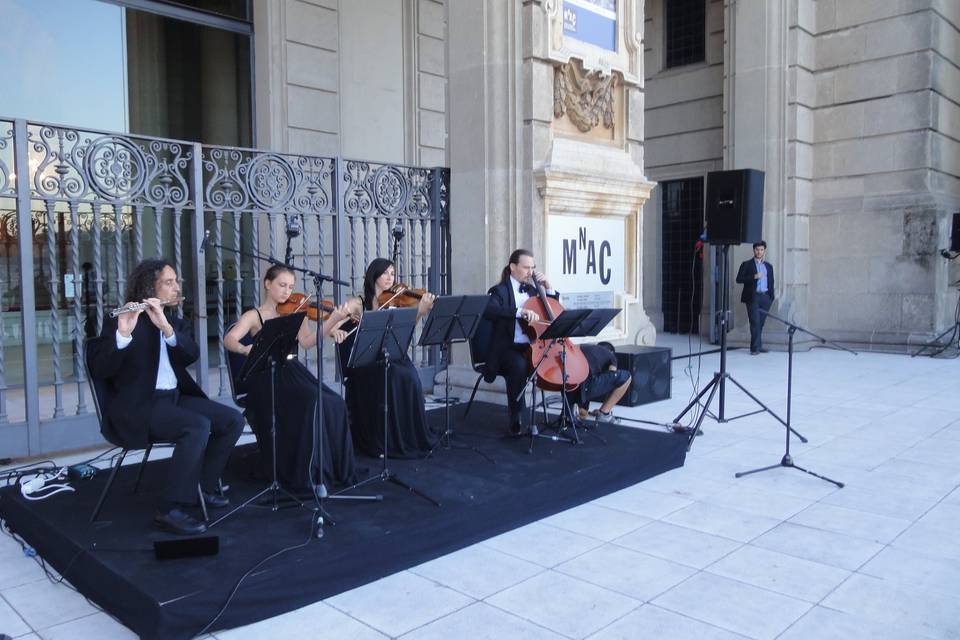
{"x": 452, "y": 319}
{"x": 274, "y": 342}
{"x": 384, "y": 336}
{"x": 557, "y": 333}
{"x": 589, "y": 326}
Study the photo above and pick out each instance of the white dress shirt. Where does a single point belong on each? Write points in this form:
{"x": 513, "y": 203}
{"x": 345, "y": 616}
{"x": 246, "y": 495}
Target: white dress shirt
{"x": 519, "y": 337}
{"x": 166, "y": 378}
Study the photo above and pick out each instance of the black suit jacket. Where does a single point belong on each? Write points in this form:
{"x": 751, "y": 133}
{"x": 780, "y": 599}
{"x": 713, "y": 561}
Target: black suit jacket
{"x": 745, "y": 277}
{"x": 501, "y": 311}
{"x": 131, "y": 376}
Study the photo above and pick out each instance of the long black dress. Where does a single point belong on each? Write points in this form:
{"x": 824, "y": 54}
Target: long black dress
{"x": 295, "y": 400}
{"x": 408, "y": 433}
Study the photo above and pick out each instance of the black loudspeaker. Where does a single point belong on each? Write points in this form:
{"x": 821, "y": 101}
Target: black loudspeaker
{"x": 955, "y": 234}
{"x": 186, "y": 547}
{"x": 734, "y": 207}
{"x": 650, "y": 369}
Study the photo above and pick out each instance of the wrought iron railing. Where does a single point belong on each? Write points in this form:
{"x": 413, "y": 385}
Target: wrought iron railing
{"x": 96, "y": 203}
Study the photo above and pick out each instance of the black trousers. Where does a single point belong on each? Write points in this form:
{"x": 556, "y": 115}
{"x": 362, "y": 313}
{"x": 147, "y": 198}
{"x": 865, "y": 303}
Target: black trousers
{"x": 514, "y": 368}
{"x": 203, "y": 432}
{"x": 757, "y": 318}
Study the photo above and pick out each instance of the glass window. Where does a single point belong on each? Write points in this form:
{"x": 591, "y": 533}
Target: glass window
{"x": 685, "y": 31}
{"x": 681, "y": 286}
{"x": 96, "y": 65}
{"x": 239, "y": 9}
{"x": 188, "y": 81}
{"x": 64, "y": 63}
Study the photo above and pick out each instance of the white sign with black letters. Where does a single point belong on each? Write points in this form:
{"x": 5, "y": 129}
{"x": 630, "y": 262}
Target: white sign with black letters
{"x": 587, "y": 255}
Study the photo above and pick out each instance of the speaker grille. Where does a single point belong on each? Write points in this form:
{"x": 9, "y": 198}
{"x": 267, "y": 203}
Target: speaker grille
{"x": 650, "y": 368}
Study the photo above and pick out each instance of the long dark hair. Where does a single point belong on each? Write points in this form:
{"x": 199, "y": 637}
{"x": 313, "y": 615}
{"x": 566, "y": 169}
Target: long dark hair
{"x": 514, "y": 259}
{"x": 376, "y": 269}
{"x": 142, "y": 281}
{"x": 275, "y": 271}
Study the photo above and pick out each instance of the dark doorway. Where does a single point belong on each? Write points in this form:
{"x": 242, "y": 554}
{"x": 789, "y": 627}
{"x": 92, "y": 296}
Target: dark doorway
{"x": 682, "y": 280}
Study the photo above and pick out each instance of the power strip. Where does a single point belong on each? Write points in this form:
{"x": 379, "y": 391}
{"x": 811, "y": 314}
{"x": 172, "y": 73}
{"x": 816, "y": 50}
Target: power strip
{"x": 57, "y": 481}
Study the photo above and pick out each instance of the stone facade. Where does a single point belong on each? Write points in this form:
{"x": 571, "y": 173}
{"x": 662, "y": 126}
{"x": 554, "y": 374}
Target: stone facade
{"x": 359, "y": 79}
{"x": 850, "y": 106}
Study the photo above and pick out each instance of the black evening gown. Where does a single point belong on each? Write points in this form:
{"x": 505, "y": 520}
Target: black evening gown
{"x": 295, "y": 400}
{"x": 408, "y": 433}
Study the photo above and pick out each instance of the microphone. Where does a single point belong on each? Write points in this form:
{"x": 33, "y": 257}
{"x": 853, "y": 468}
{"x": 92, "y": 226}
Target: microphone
{"x": 206, "y": 240}
{"x": 293, "y": 226}
{"x": 397, "y": 229}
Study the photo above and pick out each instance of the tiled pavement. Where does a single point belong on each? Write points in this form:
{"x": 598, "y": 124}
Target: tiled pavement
{"x": 694, "y": 553}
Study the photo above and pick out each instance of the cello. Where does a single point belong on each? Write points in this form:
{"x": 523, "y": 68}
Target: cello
{"x": 550, "y": 375}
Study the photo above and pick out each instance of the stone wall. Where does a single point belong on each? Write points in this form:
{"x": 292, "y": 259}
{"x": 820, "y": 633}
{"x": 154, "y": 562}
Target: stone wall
{"x": 364, "y": 80}
{"x": 683, "y": 136}
{"x": 886, "y": 164}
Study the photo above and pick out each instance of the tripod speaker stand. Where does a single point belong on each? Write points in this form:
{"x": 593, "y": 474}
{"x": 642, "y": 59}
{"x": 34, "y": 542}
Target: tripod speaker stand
{"x": 718, "y": 382}
{"x": 938, "y": 345}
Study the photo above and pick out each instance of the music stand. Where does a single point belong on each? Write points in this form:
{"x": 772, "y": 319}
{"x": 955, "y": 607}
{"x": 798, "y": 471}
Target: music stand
{"x": 274, "y": 342}
{"x": 384, "y": 336}
{"x": 452, "y": 319}
{"x": 588, "y": 326}
{"x": 556, "y": 333}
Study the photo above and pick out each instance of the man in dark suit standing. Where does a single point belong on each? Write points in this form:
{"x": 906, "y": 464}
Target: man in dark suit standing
{"x": 152, "y": 397}
{"x": 507, "y": 355}
{"x": 756, "y": 276}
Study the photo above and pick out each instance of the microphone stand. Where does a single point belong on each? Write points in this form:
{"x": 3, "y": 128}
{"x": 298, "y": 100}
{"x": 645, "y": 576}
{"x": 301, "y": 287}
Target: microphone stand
{"x": 397, "y": 232}
{"x": 787, "y": 460}
{"x": 318, "y": 488}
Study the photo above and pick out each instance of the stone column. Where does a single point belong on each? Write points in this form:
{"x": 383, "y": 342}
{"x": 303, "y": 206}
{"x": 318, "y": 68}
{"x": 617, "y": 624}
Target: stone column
{"x": 518, "y": 158}
{"x": 768, "y": 126}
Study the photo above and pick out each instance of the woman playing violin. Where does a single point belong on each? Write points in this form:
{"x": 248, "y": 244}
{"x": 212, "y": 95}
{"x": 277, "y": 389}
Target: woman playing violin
{"x": 408, "y": 431}
{"x": 296, "y": 394}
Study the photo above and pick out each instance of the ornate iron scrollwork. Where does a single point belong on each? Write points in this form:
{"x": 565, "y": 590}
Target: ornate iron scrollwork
{"x": 271, "y": 181}
{"x": 6, "y": 159}
{"x": 115, "y": 168}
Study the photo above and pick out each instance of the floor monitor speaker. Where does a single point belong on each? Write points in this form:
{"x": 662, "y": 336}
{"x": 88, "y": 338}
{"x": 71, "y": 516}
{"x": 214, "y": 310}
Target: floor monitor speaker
{"x": 650, "y": 369}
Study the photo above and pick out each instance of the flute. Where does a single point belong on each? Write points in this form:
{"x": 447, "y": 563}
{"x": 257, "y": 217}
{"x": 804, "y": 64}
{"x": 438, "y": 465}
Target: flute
{"x": 132, "y": 307}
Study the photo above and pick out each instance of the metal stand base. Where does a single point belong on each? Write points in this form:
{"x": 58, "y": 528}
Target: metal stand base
{"x": 938, "y": 346}
{"x": 389, "y": 476}
{"x": 787, "y": 461}
{"x": 446, "y": 438}
{"x": 717, "y": 382}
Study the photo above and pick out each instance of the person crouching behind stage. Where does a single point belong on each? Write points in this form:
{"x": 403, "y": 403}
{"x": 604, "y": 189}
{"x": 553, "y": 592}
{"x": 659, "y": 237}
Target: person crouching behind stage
{"x": 296, "y": 397}
{"x": 154, "y": 399}
{"x": 606, "y": 383}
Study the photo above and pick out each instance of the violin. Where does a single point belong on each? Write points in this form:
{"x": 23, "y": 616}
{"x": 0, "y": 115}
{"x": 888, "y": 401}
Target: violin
{"x": 400, "y": 295}
{"x": 298, "y": 302}
{"x": 550, "y": 375}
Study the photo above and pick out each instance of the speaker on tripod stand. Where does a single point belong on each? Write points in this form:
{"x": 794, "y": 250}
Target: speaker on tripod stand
{"x": 734, "y": 207}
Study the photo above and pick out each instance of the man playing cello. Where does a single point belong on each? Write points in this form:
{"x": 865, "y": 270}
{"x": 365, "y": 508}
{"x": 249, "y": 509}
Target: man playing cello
{"x": 510, "y": 344}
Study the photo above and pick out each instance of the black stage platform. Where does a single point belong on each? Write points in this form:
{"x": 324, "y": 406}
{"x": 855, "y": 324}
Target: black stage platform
{"x": 113, "y": 564}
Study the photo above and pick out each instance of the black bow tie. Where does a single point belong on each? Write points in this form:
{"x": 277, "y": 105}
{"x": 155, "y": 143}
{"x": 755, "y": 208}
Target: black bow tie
{"x": 527, "y": 288}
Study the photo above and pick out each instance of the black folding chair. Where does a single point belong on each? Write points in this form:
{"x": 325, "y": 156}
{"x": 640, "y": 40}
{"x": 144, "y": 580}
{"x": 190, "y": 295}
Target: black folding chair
{"x": 100, "y": 391}
{"x": 479, "y": 348}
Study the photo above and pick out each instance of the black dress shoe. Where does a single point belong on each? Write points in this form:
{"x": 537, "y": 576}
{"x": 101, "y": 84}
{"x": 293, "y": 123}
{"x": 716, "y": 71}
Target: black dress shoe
{"x": 764, "y": 350}
{"x": 215, "y": 500}
{"x": 179, "y": 522}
